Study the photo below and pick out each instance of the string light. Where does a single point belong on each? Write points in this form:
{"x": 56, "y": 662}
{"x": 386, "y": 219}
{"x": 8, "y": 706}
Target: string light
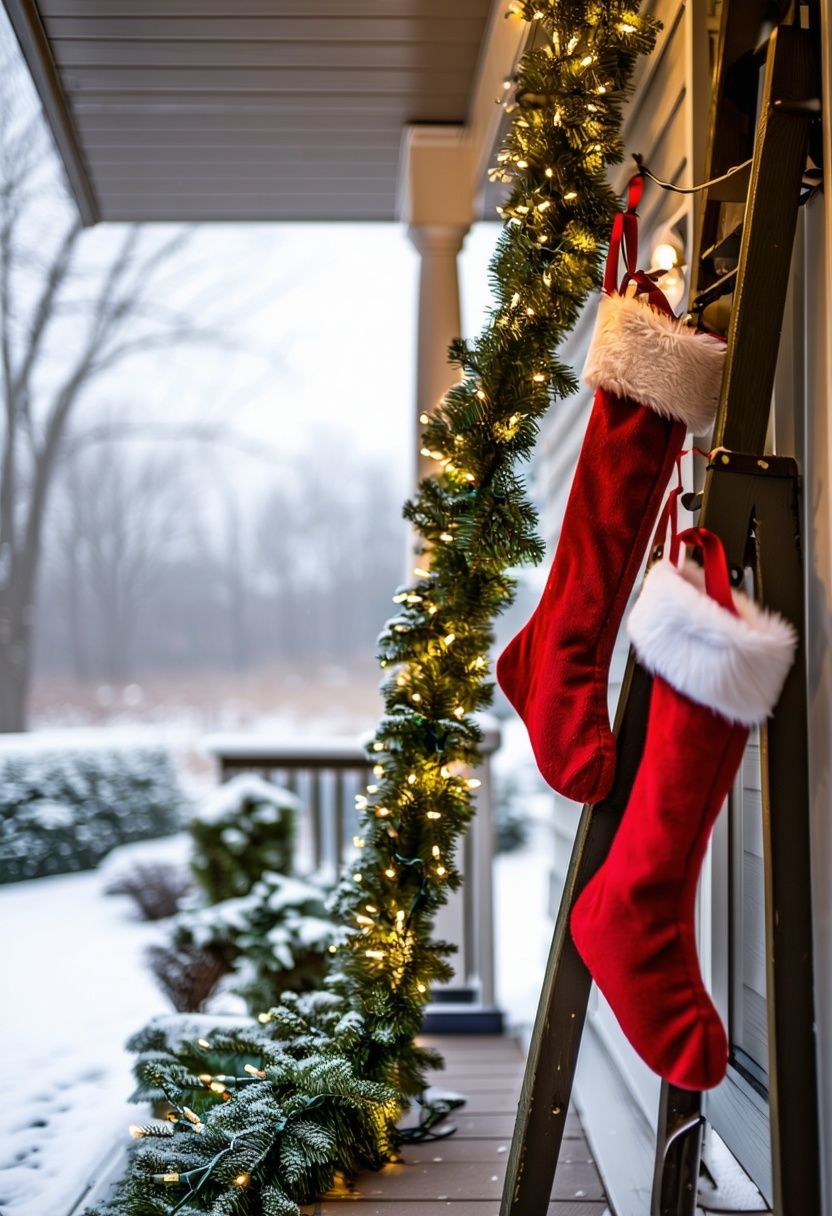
{"x": 194, "y": 1118}
{"x": 242, "y": 1180}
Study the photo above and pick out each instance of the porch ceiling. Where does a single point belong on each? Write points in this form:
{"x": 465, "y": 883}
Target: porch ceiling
{"x": 245, "y": 109}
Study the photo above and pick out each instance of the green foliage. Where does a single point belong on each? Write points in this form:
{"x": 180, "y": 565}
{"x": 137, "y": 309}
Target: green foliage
{"x": 275, "y": 939}
{"x": 343, "y": 1060}
{"x": 246, "y": 829}
{"x": 65, "y": 808}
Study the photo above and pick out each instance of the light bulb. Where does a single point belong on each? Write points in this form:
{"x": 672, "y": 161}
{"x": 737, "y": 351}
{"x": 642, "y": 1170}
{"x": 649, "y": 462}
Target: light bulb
{"x": 665, "y": 256}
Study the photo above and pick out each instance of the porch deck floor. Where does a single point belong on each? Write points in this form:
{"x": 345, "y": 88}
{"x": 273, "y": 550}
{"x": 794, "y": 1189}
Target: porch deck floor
{"x": 463, "y": 1175}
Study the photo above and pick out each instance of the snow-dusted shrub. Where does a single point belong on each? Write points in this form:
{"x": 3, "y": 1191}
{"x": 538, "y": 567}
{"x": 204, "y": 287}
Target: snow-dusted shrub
{"x": 274, "y": 939}
{"x": 244, "y": 830}
{"x": 157, "y": 888}
{"x": 187, "y": 975}
{"x": 63, "y": 808}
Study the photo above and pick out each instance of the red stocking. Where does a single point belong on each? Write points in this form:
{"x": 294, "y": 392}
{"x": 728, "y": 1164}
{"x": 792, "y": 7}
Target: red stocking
{"x": 654, "y": 378}
{"x": 719, "y": 662}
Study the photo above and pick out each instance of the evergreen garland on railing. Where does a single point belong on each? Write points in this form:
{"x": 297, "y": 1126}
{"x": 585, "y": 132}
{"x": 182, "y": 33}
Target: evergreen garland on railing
{"x": 263, "y": 1119}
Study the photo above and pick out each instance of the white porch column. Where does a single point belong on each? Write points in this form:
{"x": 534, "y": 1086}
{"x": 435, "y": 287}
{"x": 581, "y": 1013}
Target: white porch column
{"x": 437, "y": 204}
{"x": 439, "y": 318}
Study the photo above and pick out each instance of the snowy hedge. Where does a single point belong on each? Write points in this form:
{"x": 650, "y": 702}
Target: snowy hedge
{"x": 64, "y": 808}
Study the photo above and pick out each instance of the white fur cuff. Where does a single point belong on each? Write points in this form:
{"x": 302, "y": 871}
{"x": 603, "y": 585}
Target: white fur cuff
{"x": 657, "y": 360}
{"x": 736, "y": 665}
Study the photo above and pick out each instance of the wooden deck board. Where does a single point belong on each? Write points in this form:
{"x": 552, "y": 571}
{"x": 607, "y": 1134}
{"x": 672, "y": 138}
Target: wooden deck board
{"x": 463, "y": 1174}
{"x": 465, "y": 1208}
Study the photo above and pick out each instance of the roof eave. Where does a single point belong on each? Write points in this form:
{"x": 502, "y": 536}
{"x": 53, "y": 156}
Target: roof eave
{"x": 34, "y": 44}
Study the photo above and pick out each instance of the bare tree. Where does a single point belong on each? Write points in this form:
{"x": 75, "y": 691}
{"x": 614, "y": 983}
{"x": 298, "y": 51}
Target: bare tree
{"x": 112, "y": 543}
{"x": 68, "y": 314}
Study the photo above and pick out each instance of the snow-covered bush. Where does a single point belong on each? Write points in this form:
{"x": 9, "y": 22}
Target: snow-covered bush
{"x": 273, "y": 940}
{"x": 244, "y": 830}
{"x": 157, "y": 888}
{"x": 63, "y": 808}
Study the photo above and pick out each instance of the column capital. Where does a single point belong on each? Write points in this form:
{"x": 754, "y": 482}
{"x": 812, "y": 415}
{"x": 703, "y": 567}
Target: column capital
{"x": 436, "y": 180}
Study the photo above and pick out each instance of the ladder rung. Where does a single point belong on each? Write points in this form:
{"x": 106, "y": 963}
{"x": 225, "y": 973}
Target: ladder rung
{"x": 728, "y": 248}
{"x": 722, "y": 287}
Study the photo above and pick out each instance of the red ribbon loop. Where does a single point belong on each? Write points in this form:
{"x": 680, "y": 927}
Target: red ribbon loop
{"x": 717, "y": 578}
{"x": 670, "y": 516}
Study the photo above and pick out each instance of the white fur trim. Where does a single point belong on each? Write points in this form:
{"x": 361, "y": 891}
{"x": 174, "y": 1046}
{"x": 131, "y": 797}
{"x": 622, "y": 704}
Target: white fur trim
{"x": 657, "y": 360}
{"x": 735, "y": 665}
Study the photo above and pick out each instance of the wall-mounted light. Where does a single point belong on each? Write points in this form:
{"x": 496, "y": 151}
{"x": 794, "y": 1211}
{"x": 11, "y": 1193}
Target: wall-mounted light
{"x": 668, "y": 256}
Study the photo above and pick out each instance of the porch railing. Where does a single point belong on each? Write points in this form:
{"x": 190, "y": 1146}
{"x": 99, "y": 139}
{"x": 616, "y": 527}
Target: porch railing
{"x": 326, "y": 774}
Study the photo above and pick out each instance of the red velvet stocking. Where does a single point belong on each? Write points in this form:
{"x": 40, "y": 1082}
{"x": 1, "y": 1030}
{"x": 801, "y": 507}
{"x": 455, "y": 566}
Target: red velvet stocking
{"x": 555, "y": 670}
{"x": 633, "y": 924}
{"x": 654, "y": 378}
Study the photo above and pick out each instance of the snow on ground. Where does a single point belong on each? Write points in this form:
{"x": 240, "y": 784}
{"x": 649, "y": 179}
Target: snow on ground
{"x": 75, "y": 987}
{"x": 522, "y": 922}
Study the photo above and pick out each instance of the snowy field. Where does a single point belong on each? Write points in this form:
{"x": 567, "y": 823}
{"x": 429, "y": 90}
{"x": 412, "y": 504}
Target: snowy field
{"x": 75, "y": 987}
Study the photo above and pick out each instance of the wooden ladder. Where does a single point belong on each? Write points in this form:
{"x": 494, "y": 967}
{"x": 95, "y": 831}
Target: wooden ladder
{"x": 752, "y": 501}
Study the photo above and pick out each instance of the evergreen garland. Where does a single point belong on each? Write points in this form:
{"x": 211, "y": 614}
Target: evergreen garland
{"x": 317, "y": 1088}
